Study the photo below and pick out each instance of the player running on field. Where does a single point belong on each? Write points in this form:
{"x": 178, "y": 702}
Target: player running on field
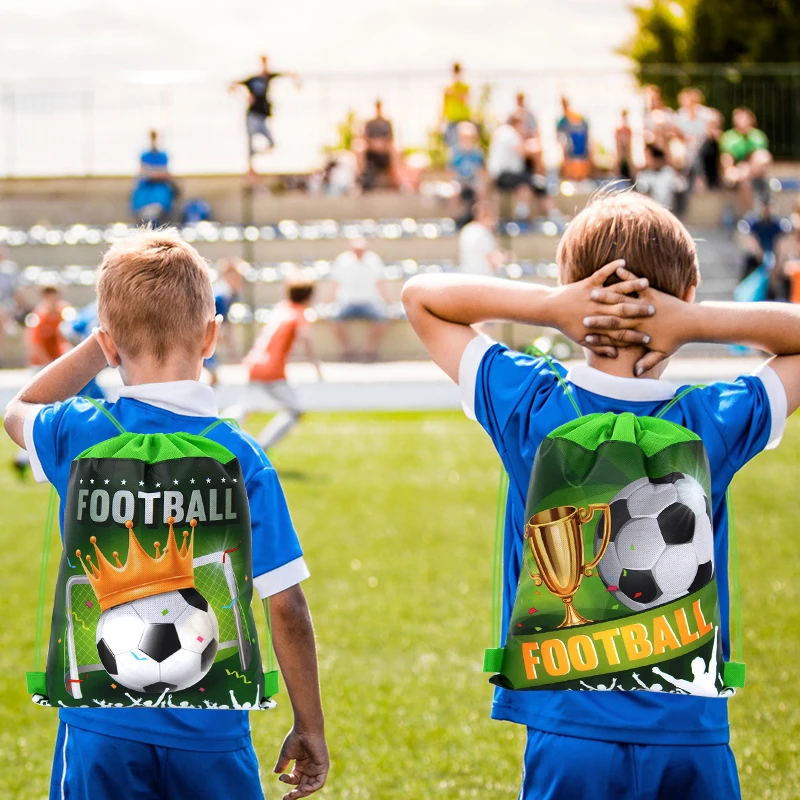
{"x": 266, "y": 362}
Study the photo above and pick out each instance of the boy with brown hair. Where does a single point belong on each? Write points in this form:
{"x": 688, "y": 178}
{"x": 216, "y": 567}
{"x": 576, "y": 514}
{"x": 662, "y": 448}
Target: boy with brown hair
{"x": 629, "y": 274}
{"x": 156, "y": 310}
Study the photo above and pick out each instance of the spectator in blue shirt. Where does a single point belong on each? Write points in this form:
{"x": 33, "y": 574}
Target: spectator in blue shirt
{"x": 156, "y": 310}
{"x": 614, "y": 745}
{"x": 466, "y": 164}
{"x": 572, "y": 130}
{"x": 759, "y": 232}
{"x": 226, "y": 293}
{"x": 155, "y": 191}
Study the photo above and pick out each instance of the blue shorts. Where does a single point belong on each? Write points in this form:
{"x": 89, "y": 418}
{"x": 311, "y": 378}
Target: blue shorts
{"x": 560, "y": 767}
{"x": 90, "y": 766}
{"x": 370, "y": 311}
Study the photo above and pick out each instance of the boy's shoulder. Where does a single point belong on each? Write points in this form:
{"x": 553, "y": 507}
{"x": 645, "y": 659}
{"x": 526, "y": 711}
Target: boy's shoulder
{"x": 250, "y": 454}
{"x": 515, "y": 395}
{"x": 56, "y": 434}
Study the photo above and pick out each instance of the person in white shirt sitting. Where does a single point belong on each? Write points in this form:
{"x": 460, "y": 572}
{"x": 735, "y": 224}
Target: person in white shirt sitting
{"x": 478, "y": 250}
{"x": 509, "y": 165}
{"x": 360, "y": 294}
{"x": 658, "y": 179}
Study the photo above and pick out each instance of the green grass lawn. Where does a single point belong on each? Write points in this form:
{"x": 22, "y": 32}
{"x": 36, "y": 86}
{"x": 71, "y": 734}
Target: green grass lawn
{"x": 396, "y": 514}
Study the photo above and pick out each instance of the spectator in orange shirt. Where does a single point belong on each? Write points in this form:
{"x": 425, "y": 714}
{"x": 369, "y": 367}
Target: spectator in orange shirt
{"x": 46, "y": 342}
{"x": 266, "y": 361}
{"x": 786, "y": 273}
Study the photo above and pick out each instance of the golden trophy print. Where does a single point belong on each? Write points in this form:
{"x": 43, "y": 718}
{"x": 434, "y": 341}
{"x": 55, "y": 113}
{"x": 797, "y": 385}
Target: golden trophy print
{"x": 556, "y": 539}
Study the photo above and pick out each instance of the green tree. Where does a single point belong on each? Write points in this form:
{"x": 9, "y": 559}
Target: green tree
{"x": 715, "y": 31}
{"x": 739, "y": 52}
{"x": 744, "y": 31}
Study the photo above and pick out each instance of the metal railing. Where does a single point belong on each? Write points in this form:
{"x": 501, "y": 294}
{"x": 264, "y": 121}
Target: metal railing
{"x": 99, "y": 128}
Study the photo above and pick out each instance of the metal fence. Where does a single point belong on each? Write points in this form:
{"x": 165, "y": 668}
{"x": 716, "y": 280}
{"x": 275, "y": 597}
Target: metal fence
{"x": 99, "y": 128}
{"x": 772, "y": 91}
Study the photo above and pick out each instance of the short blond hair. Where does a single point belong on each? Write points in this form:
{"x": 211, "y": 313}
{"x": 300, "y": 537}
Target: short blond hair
{"x": 154, "y": 295}
{"x": 653, "y": 242}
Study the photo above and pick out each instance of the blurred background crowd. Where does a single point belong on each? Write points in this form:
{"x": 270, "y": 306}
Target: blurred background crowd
{"x": 505, "y": 162}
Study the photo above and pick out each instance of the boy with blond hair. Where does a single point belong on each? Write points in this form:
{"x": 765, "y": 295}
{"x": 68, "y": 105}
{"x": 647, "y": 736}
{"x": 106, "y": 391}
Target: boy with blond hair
{"x": 629, "y": 274}
{"x": 157, "y": 324}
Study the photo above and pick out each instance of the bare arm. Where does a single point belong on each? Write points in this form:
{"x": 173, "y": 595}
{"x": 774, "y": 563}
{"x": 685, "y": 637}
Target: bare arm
{"x": 383, "y": 290}
{"x": 293, "y": 638}
{"x": 443, "y": 308}
{"x": 496, "y": 259}
{"x": 726, "y": 161}
{"x": 305, "y": 338}
{"x": 62, "y": 379}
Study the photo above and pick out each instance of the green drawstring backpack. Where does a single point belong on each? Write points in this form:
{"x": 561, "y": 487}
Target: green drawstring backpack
{"x": 153, "y": 600}
{"x": 617, "y": 587}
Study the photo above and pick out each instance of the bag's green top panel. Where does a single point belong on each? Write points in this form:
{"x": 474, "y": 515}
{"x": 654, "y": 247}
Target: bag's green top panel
{"x": 650, "y": 433}
{"x": 154, "y": 447}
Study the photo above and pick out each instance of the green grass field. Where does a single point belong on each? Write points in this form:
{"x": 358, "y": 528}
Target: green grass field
{"x": 396, "y": 514}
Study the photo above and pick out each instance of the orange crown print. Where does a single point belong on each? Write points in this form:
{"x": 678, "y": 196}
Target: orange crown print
{"x": 142, "y": 575}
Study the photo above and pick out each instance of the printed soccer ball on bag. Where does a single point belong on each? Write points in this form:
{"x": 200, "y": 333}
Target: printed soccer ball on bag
{"x": 662, "y": 543}
{"x": 167, "y": 641}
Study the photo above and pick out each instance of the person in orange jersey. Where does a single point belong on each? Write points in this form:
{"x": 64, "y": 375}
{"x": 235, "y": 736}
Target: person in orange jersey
{"x": 46, "y": 342}
{"x": 266, "y": 361}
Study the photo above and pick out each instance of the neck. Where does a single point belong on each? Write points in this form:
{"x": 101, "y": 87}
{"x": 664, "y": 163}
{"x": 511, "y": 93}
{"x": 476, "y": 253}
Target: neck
{"x": 179, "y": 367}
{"x": 623, "y": 365}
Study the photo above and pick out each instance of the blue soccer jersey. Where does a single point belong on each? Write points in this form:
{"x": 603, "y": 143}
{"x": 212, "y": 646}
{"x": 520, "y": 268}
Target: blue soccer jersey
{"x": 519, "y": 401}
{"x": 56, "y": 434}
{"x": 154, "y": 159}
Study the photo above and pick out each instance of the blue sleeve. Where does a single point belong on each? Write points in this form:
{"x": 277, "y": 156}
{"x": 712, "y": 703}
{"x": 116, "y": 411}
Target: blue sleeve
{"x": 746, "y": 417}
{"x": 510, "y": 391}
{"x": 50, "y": 437}
{"x": 277, "y": 556}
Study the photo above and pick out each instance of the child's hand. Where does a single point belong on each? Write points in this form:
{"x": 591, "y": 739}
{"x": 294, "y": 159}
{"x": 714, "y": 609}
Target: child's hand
{"x": 667, "y": 329}
{"x": 604, "y": 319}
{"x": 311, "y": 763}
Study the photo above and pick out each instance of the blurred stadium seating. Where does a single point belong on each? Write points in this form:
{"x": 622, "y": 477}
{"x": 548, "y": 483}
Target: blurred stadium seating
{"x": 57, "y": 229}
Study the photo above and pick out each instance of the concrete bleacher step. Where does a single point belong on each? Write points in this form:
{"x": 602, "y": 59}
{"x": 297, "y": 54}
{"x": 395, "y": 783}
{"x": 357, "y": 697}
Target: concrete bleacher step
{"x": 536, "y": 246}
{"x": 719, "y": 260}
{"x": 62, "y": 201}
{"x": 104, "y": 200}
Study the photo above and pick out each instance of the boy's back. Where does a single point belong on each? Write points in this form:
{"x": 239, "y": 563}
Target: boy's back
{"x": 519, "y": 401}
{"x": 57, "y": 434}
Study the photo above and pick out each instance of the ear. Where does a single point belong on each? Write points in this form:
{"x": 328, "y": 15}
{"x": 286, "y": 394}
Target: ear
{"x": 690, "y": 294}
{"x": 108, "y": 346}
{"x": 211, "y": 337}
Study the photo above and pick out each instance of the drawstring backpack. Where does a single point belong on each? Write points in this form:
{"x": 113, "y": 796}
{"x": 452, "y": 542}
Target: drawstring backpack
{"x": 617, "y": 587}
{"x": 153, "y": 600}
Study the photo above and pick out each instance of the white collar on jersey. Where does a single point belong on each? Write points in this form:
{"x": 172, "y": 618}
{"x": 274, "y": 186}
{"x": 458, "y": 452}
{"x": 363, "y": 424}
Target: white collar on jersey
{"x": 189, "y": 398}
{"x": 642, "y": 390}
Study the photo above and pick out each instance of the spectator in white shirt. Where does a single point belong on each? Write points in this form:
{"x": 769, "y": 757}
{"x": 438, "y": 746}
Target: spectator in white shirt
{"x": 479, "y": 253}
{"x": 510, "y": 170}
{"x": 658, "y": 179}
{"x": 360, "y": 294}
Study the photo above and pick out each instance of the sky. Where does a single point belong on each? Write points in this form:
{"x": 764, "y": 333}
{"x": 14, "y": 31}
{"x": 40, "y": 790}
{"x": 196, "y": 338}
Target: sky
{"x": 102, "y": 72}
{"x": 49, "y": 39}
